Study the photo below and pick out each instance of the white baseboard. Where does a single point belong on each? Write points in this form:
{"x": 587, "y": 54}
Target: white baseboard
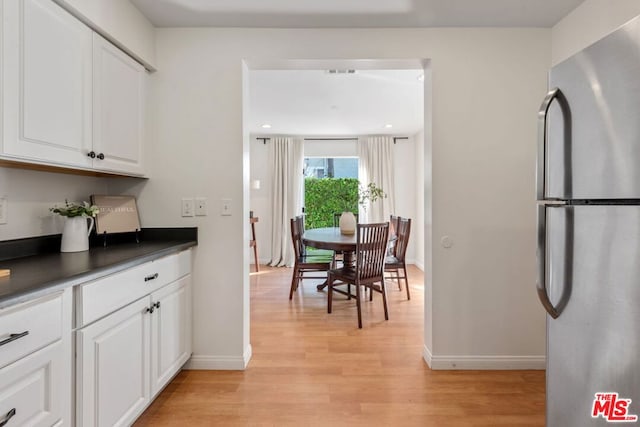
{"x": 220, "y": 363}
{"x": 419, "y": 265}
{"x": 498, "y": 363}
{"x": 248, "y": 352}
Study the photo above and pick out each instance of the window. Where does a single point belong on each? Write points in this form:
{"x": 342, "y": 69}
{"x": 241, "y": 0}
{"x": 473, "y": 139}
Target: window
{"x": 331, "y": 167}
{"x": 330, "y": 186}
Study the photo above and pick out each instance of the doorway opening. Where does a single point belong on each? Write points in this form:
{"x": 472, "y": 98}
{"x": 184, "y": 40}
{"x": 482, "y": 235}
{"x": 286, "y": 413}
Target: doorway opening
{"x": 413, "y": 152}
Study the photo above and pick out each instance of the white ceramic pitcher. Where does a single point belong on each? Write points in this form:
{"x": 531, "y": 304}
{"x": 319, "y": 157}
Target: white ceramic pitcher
{"x": 75, "y": 237}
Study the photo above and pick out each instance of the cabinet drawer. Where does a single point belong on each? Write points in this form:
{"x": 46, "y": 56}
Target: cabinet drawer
{"x": 97, "y": 299}
{"x": 26, "y": 328}
{"x": 29, "y": 389}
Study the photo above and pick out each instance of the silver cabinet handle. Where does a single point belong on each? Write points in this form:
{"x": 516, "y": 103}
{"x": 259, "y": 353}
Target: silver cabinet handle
{"x": 541, "y": 285}
{"x": 151, "y": 277}
{"x": 542, "y": 142}
{"x": 13, "y": 337}
{"x": 8, "y": 417}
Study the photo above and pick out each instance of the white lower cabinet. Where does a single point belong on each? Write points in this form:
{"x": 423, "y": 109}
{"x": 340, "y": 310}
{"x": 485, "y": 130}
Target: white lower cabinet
{"x": 133, "y": 334}
{"x": 127, "y": 357}
{"x": 32, "y": 390}
{"x": 113, "y": 367}
{"x": 35, "y": 362}
{"x": 170, "y": 332}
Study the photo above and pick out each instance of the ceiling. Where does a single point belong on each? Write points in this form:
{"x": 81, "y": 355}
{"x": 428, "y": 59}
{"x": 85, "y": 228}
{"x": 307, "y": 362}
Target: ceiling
{"x": 317, "y": 103}
{"x": 355, "y": 13}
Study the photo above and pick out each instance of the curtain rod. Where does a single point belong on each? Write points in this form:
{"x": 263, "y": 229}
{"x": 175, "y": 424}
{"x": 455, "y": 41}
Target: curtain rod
{"x": 395, "y": 138}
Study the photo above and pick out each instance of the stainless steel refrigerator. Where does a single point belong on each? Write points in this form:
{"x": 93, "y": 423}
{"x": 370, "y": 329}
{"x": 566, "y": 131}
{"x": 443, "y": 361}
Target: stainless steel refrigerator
{"x": 588, "y": 190}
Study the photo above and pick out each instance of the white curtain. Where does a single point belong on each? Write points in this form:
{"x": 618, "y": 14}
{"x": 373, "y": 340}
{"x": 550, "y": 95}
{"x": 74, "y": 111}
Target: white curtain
{"x": 286, "y": 157}
{"x": 376, "y": 165}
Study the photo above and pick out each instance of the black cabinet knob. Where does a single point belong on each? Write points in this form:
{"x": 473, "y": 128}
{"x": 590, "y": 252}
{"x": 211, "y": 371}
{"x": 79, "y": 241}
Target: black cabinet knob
{"x": 92, "y": 154}
{"x": 101, "y": 156}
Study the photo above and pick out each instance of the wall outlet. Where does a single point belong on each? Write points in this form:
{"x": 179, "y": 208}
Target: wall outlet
{"x": 4, "y": 207}
{"x": 188, "y": 207}
{"x": 201, "y": 206}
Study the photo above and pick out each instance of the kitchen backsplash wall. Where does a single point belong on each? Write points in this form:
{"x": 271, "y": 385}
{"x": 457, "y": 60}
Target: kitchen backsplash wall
{"x": 30, "y": 194}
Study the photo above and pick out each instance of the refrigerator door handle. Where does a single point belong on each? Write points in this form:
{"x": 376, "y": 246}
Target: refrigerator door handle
{"x": 541, "y": 285}
{"x": 542, "y": 142}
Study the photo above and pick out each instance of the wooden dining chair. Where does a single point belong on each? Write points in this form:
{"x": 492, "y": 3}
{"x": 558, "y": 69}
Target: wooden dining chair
{"x": 393, "y": 230}
{"x": 371, "y": 247}
{"x": 396, "y": 260}
{"x": 305, "y": 262}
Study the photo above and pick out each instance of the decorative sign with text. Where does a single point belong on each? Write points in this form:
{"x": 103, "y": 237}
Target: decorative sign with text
{"x": 117, "y": 214}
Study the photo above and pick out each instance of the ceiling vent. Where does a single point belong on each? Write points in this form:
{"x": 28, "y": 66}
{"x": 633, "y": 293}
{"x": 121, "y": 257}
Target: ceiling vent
{"x": 335, "y": 71}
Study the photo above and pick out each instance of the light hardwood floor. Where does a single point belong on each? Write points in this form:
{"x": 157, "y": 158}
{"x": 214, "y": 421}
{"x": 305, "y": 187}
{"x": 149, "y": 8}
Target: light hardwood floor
{"x": 317, "y": 369}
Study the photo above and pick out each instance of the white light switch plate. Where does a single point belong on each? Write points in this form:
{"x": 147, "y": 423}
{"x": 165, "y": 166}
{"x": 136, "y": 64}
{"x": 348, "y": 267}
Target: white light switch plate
{"x": 4, "y": 206}
{"x": 201, "y": 206}
{"x": 226, "y": 207}
{"x": 188, "y": 207}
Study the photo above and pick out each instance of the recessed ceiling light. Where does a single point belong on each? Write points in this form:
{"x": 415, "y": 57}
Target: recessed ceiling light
{"x": 420, "y": 77}
{"x": 388, "y": 126}
{"x": 266, "y": 126}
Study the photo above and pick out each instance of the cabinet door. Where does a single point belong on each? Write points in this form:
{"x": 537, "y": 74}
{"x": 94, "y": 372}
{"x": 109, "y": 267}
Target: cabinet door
{"x": 32, "y": 389}
{"x": 47, "y": 83}
{"x": 170, "y": 331}
{"x": 118, "y": 109}
{"x": 112, "y": 368}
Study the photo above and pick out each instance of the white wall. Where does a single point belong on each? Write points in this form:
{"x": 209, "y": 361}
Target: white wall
{"x": 487, "y": 85}
{"x": 423, "y": 170}
{"x": 588, "y": 23}
{"x": 30, "y": 194}
{"x": 260, "y": 200}
{"x": 122, "y": 22}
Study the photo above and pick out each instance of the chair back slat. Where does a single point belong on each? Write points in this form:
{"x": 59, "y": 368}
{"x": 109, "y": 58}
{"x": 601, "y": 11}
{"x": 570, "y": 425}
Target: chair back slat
{"x": 371, "y": 248}
{"x": 297, "y": 229}
{"x": 393, "y": 233}
{"x": 404, "y": 230}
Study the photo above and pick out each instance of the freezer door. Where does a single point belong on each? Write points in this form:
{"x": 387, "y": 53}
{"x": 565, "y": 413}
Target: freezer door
{"x": 595, "y": 152}
{"x": 593, "y": 262}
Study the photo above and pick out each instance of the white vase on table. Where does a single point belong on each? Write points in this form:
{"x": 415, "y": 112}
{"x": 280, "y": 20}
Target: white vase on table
{"x": 348, "y": 223}
{"x": 75, "y": 236}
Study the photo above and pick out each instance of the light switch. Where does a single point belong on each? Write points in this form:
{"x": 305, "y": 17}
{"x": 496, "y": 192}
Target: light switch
{"x": 226, "y": 208}
{"x": 201, "y": 206}
{"x": 4, "y": 206}
{"x": 188, "y": 207}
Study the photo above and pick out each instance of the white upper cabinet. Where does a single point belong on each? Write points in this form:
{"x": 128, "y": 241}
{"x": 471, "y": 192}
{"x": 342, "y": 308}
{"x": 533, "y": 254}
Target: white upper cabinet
{"x": 70, "y": 98}
{"x": 47, "y": 83}
{"x": 118, "y": 109}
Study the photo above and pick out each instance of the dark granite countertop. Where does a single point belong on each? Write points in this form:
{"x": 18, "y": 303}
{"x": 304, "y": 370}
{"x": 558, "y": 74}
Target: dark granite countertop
{"x": 45, "y": 272}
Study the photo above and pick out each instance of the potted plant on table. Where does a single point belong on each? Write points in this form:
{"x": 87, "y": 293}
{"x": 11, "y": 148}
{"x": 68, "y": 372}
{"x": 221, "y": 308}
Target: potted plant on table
{"x": 370, "y": 193}
{"x": 75, "y": 237}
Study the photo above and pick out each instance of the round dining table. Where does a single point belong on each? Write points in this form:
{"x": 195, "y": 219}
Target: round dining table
{"x": 331, "y": 238}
